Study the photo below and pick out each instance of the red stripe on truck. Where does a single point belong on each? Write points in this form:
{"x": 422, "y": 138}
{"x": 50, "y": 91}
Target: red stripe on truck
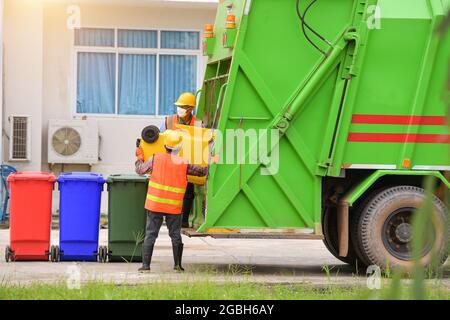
{"x": 402, "y": 138}
{"x": 389, "y": 119}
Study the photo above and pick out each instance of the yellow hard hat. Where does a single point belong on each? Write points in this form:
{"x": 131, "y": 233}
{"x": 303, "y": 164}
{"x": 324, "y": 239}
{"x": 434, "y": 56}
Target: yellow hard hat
{"x": 173, "y": 140}
{"x": 186, "y": 99}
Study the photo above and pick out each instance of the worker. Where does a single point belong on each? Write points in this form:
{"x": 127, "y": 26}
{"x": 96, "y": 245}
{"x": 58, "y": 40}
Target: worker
{"x": 165, "y": 194}
{"x": 185, "y": 104}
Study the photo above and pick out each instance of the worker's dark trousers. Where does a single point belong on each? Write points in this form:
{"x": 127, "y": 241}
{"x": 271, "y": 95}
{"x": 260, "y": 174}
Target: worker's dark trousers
{"x": 154, "y": 222}
{"x": 188, "y": 201}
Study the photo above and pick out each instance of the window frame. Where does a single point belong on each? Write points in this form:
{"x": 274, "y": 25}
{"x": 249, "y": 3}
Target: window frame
{"x": 158, "y": 51}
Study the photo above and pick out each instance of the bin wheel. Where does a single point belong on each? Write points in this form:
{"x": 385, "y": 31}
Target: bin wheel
{"x": 102, "y": 254}
{"x": 7, "y": 254}
{"x": 150, "y": 134}
{"x": 57, "y": 253}
{"x": 52, "y": 254}
{"x": 105, "y": 254}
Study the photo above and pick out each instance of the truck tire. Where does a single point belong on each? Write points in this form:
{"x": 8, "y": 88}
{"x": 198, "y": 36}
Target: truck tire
{"x": 330, "y": 233}
{"x": 354, "y": 228}
{"x": 384, "y": 230}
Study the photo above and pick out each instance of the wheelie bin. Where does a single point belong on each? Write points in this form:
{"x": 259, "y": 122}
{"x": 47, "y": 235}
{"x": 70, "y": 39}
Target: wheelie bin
{"x": 80, "y": 198}
{"x": 30, "y": 215}
{"x": 126, "y": 217}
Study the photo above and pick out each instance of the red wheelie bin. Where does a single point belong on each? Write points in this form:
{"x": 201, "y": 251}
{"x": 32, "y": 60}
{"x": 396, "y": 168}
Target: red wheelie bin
{"x": 30, "y": 216}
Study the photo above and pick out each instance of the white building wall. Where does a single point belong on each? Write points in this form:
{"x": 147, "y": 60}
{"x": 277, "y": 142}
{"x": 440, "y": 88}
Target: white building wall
{"x": 23, "y": 73}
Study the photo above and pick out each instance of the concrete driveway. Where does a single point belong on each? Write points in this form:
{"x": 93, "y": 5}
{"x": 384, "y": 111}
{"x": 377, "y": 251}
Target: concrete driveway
{"x": 221, "y": 260}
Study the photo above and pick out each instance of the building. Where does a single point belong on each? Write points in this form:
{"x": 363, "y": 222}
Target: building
{"x": 117, "y": 63}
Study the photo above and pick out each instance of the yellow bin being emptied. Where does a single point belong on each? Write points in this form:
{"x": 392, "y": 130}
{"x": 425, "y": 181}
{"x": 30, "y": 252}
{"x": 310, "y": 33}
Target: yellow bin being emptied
{"x": 195, "y": 147}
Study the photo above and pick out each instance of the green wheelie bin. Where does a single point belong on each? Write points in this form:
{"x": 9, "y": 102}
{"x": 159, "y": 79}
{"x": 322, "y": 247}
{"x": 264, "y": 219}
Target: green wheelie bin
{"x": 126, "y": 217}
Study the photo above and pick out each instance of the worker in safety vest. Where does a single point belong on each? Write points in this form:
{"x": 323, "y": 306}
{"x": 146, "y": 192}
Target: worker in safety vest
{"x": 185, "y": 104}
{"x": 166, "y": 189}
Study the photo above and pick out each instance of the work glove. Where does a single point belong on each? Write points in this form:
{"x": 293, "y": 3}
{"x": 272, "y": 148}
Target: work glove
{"x": 139, "y": 153}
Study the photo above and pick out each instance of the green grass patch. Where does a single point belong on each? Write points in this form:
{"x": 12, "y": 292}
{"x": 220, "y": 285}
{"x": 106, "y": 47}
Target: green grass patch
{"x": 206, "y": 290}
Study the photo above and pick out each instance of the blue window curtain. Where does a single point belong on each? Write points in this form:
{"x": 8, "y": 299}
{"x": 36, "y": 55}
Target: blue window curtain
{"x": 177, "y": 74}
{"x": 137, "y": 39}
{"x": 96, "y": 73}
{"x": 96, "y": 83}
{"x": 180, "y": 40}
{"x": 91, "y": 37}
{"x": 137, "y": 84}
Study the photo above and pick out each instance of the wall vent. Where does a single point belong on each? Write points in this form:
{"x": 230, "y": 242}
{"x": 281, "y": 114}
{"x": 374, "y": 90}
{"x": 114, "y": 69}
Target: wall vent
{"x": 20, "y": 138}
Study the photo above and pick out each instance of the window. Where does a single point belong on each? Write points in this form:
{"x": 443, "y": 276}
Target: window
{"x": 134, "y": 72}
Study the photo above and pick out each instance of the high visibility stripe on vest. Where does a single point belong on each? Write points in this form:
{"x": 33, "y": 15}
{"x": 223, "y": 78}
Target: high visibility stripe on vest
{"x": 164, "y": 200}
{"x": 166, "y": 188}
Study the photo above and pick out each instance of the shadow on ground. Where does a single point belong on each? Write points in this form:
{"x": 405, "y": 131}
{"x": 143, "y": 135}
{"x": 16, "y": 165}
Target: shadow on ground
{"x": 280, "y": 270}
{"x": 270, "y": 270}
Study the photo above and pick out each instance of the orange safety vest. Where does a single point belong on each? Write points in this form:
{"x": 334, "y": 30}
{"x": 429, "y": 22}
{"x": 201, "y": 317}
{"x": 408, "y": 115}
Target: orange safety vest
{"x": 167, "y": 184}
{"x": 173, "y": 120}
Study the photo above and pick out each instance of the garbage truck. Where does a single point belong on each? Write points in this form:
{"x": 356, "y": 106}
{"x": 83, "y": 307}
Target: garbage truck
{"x": 354, "y": 93}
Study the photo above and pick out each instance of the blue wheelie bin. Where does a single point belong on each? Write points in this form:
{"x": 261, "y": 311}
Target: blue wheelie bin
{"x": 79, "y": 214}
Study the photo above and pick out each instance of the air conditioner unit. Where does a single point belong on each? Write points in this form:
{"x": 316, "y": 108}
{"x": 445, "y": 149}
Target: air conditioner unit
{"x": 73, "y": 141}
{"x": 20, "y": 138}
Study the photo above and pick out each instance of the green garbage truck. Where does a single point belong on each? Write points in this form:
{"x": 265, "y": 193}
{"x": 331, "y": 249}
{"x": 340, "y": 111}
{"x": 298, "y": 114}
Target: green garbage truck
{"x": 354, "y": 94}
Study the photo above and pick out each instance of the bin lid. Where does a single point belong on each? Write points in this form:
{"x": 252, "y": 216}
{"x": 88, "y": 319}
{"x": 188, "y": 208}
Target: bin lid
{"x": 127, "y": 178}
{"x": 35, "y": 176}
{"x": 81, "y": 176}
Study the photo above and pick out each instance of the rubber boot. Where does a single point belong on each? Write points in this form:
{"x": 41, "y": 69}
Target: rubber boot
{"x": 177, "y": 255}
{"x": 147, "y": 252}
{"x": 186, "y": 211}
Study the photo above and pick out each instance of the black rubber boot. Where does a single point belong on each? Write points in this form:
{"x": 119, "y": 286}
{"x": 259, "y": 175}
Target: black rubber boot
{"x": 177, "y": 255}
{"x": 147, "y": 252}
{"x": 186, "y": 211}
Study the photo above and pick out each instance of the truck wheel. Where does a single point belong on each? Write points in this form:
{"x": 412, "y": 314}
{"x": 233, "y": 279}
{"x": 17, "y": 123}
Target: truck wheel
{"x": 385, "y": 228}
{"x": 354, "y": 228}
{"x": 330, "y": 233}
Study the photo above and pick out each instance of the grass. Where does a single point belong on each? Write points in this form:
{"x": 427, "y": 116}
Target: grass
{"x": 207, "y": 290}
